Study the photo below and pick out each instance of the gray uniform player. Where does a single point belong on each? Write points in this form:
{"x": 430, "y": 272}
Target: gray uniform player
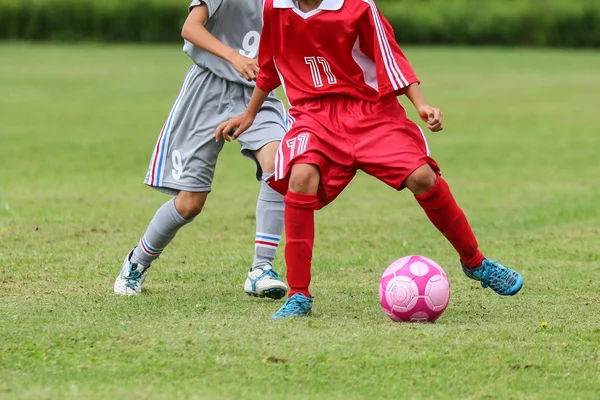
{"x": 222, "y": 38}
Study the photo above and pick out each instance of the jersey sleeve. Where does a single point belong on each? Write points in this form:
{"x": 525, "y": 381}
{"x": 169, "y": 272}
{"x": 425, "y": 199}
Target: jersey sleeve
{"x": 213, "y": 5}
{"x": 268, "y": 76}
{"x": 377, "y": 40}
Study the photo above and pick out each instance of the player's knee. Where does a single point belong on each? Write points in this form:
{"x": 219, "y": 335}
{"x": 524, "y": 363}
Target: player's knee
{"x": 189, "y": 204}
{"x": 421, "y": 180}
{"x": 304, "y": 179}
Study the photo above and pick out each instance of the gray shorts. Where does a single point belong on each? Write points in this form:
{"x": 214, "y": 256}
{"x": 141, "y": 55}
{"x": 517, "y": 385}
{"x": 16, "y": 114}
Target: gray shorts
{"x": 186, "y": 153}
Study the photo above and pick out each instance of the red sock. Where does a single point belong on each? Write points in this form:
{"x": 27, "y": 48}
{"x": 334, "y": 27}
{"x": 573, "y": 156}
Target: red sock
{"x": 299, "y": 217}
{"x": 446, "y": 215}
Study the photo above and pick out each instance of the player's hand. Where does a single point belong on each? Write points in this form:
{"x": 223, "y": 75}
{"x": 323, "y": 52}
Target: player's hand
{"x": 239, "y": 124}
{"x": 433, "y": 116}
{"x": 247, "y": 67}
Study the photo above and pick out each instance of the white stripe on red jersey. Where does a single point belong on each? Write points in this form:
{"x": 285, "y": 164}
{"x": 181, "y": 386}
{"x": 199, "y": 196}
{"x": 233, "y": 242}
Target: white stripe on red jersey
{"x": 398, "y": 78}
{"x": 346, "y": 48}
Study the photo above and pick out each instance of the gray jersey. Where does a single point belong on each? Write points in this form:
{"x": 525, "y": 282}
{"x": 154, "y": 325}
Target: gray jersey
{"x": 186, "y": 153}
{"x": 236, "y": 23}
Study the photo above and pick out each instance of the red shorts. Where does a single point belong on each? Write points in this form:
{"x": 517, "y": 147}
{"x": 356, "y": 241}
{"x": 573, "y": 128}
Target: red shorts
{"x": 342, "y": 134}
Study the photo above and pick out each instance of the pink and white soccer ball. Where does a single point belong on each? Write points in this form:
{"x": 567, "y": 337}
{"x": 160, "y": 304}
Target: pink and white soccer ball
{"x": 414, "y": 289}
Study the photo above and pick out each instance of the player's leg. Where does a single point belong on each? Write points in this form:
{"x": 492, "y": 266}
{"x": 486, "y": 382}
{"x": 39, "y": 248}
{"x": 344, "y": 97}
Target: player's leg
{"x": 161, "y": 230}
{"x": 260, "y": 144}
{"x": 183, "y": 165}
{"x": 434, "y": 195}
{"x": 269, "y": 210}
{"x": 300, "y": 203}
{"x": 313, "y": 166}
{"x": 262, "y": 279}
{"x": 401, "y": 159}
{"x": 165, "y": 224}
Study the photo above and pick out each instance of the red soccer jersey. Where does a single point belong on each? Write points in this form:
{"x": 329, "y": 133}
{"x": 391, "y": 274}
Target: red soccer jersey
{"x": 344, "y": 47}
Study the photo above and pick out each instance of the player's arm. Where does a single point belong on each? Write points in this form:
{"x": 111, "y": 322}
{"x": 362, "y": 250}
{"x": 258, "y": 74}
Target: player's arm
{"x": 431, "y": 115}
{"x": 395, "y": 75}
{"x": 194, "y": 31}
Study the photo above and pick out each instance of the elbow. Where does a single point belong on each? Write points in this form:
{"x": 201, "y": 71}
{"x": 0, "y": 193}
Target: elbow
{"x": 185, "y": 31}
{"x": 197, "y": 17}
{"x": 192, "y": 25}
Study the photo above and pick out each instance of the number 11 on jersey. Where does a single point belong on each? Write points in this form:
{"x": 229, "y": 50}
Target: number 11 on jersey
{"x": 314, "y": 63}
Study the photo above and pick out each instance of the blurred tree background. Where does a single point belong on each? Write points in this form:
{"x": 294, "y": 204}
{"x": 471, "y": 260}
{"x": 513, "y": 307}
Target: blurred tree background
{"x": 557, "y": 23}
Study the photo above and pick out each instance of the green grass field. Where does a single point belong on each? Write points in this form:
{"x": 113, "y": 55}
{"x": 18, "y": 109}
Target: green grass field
{"x": 520, "y": 150}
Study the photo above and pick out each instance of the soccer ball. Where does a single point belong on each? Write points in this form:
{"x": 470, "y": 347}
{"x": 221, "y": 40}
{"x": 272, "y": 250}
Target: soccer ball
{"x": 414, "y": 289}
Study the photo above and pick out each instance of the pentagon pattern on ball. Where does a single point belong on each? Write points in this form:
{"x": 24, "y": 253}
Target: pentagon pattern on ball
{"x": 414, "y": 289}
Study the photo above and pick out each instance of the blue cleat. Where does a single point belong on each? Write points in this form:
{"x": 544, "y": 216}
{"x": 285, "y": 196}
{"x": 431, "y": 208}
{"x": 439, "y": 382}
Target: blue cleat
{"x": 502, "y": 280}
{"x": 295, "y": 306}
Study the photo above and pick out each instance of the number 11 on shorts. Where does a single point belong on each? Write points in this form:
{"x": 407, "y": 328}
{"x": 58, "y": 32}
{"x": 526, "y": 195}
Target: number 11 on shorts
{"x": 313, "y": 63}
{"x": 297, "y": 145}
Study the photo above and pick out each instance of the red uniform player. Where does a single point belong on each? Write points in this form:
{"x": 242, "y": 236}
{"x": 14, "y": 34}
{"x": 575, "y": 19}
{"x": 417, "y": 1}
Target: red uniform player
{"x": 342, "y": 70}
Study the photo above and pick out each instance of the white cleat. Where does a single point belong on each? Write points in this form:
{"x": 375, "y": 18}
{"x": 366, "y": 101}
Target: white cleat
{"x": 264, "y": 282}
{"x": 130, "y": 279}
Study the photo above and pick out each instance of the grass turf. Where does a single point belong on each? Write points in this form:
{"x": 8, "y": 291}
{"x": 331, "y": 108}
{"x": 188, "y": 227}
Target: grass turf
{"x": 520, "y": 150}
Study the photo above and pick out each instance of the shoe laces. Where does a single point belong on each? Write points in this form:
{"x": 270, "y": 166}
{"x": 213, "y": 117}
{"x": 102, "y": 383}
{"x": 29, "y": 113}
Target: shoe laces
{"x": 266, "y": 272}
{"x": 134, "y": 276}
{"x": 271, "y": 273}
{"x": 499, "y": 272}
{"x": 293, "y": 305}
